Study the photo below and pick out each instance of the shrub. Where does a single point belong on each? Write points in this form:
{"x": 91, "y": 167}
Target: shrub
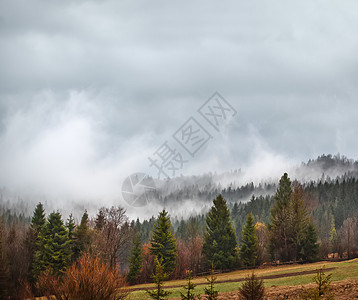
{"x": 88, "y": 278}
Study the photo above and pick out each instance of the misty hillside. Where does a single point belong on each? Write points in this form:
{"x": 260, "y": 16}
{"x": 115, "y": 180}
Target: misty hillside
{"x": 231, "y": 184}
{"x": 191, "y": 195}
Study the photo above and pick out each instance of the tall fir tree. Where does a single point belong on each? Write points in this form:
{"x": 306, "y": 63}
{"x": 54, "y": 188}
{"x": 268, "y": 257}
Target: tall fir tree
{"x": 38, "y": 219}
{"x": 299, "y": 221}
{"x": 70, "y": 225}
{"x": 309, "y": 247}
{"x": 53, "y": 246}
{"x": 37, "y": 225}
{"x": 135, "y": 261}
{"x": 235, "y": 211}
{"x": 220, "y": 243}
{"x": 100, "y": 220}
{"x": 82, "y": 239}
{"x": 163, "y": 243}
{"x": 248, "y": 246}
{"x": 291, "y": 228}
{"x": 280, "y": 235}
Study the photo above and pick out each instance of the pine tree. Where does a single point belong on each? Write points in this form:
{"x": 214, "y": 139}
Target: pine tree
{"x": 280, "y": 235}
{"x": 211, "y": 293}
{"x": 163, "y": 242}
{"x": 100, "y": 220}
{"x": 291, "y": 232}
{"x": 38, "y": 219}
{"x": 299, "y": 222}
{"x": 309, "y": 246}
{"x": 135, "y": 261}
{"x": 189, "y": 287}
{"x": 248, "y": 247}
{"x": 81, "y": 237}
{"x": 70, "y": 224}
{"x": 220, "y": 243}
{"x": 32, "y": 241}
{"x": 235, "y": 211}
{"x": 158, "y": 278}
{"x": 53, "y": 246}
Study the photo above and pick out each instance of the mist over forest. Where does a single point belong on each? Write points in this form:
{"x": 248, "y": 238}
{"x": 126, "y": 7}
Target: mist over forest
{"x": 187, "y": 196}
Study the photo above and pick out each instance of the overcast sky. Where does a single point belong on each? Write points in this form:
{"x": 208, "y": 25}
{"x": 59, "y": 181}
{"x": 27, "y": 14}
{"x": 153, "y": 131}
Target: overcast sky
{"x": 90, "y": 89}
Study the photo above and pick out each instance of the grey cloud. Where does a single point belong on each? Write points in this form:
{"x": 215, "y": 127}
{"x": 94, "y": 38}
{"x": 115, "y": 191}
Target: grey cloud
{"x": 91, "y": 88}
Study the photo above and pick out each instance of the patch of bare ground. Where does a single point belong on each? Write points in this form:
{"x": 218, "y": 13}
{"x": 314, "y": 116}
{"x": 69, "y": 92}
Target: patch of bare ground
{"x": 341, "y": 290}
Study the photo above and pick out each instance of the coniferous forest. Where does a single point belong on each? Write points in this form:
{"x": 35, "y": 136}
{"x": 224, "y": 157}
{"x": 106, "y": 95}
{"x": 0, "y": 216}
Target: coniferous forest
{"x": 47, "y": 253}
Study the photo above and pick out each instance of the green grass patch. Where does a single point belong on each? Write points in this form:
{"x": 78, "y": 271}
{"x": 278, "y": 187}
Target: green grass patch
{"x": 343, "y": 270}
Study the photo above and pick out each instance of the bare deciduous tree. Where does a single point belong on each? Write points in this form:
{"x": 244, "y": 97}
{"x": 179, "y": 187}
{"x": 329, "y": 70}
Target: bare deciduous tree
{"x": 115, "y": 237}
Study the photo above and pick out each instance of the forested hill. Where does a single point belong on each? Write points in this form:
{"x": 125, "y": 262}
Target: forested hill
{"x": 231, "y": 185}
{"x": 196, "y": 193}
{"x": 331, "y": 204}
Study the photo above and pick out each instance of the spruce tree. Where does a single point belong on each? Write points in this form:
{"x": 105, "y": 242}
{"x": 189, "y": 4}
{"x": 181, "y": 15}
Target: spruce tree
{"x": 235, "y": 211}
{"x": 81, "y": 237}
{"x": 210, "y": 292}
{"x": 299, "y": 221}
{"x": 189, "y": 287}
{"x": 32, "y": 241}
{"x": 163, "y": 243}
{"x": 70, "y": 224}
{"x": 135, "y": 261}
{"x": 38, "y": 219}
{"x": 100, "y": 220}
{"x": 53, "y": 246}
{"x": 220, "y": 243}
{"x": 158, "y": 278}
{"x": 309, "y": 246}
{"x": 252, "y": 288}
{"x": 280, "y": 235}
{"x": 290, "y": 224}
{"x": 248, "y": 247}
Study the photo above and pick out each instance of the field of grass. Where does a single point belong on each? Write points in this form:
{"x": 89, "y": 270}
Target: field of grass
{"x": 342, "y": 270}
